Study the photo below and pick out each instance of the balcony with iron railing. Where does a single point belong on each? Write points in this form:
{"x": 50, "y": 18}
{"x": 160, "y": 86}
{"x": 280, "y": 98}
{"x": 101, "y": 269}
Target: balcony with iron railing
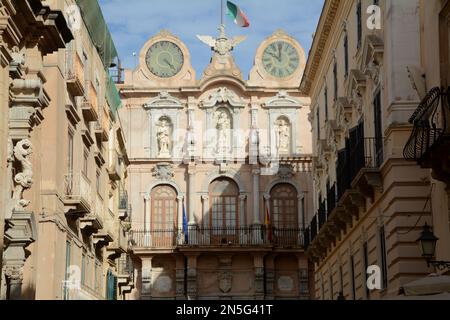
{"x": 98, "y": 155}
{"x": 95, "y": 220}
{"x": 119, "y": 245}
{"x": 114, "y": 168}
{"x": 77, "y": 196}
{"x": 107, "y": 233}
{"x": 358, "y": 176}
{"x": 429, "y": 143}
{"x": 125, "y": 274}
{"x": 123, "y": 204}
{"x": 74, "y": 73}
{"x": 101, "y": 127}
{"x": 89, "y": 105}
{"x": 217, "y": 237}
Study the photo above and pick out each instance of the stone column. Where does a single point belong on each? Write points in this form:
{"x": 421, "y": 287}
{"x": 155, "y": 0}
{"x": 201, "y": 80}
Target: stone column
{"x": 148, "y": 219}
{"x": 179, "y": 228}
{"x": 242, "y": 211}
{"x": 258, "y": 260}
{"x": 192, "y": 222}
{"x": 270, "y": 277}
{"x": 205, "y": 211}
{"x": 179, "y": 274}
{"x": 191, "y": 191}
{"x": 192, "y": 277}
{"x": 14, "y": 278}
{"x": 191, "y": 147}
{"x": 301, "y": 216}
{"x": 207, "y": 141}
{"x": 266, "y": 202}
{"x": 20, "y": 232}
{"x": 303, "y": 277}
{"x": 146, "y": 291}
{"x": 256, "y": 212}
{"x": 234, "y": 135}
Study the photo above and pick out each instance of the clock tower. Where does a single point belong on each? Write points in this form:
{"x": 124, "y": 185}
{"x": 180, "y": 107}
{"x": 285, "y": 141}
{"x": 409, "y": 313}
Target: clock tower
{"x": 219, "y": 174}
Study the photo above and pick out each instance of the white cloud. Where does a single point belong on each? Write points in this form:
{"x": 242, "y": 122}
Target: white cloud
{"x": 132, "y": 22}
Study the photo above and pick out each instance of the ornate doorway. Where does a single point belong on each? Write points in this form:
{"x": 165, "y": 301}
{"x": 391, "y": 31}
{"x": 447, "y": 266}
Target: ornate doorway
{"x": 224, "y": 215}
{"x": 163, "y": 220}
{"x": 284, "y": 213}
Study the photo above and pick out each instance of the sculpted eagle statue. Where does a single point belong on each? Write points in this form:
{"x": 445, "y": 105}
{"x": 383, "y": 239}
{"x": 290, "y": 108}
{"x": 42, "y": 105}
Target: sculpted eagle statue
{"x": 221, "y": 45}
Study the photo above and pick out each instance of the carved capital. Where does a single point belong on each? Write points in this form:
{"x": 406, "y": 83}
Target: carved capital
{"x": 14, "y": 273}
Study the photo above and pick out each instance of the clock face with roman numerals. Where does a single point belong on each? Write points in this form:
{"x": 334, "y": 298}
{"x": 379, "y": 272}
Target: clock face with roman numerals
{"x": 164, "y": 59}
{"x": 280, "y": 59}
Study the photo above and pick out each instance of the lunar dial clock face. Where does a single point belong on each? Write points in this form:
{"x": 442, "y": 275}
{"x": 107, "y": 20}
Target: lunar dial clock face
{"x": 164, "y": 59}
{"x": 280, "y": 59}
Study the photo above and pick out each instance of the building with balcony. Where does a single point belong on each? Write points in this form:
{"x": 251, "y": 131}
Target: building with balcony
{"x": 220, "y": 171}
{"x": 68, "y": 160}
{"x": 370, "y": 202}
{"x": 429, "y": 141}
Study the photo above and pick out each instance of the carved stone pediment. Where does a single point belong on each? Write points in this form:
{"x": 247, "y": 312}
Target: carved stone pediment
{"x": 286, "y": 171}
{"x": 21, "y": 228}
{"x": 372, "y": 57}
{"x": 282, "y": 100}
{"x": 220, "y": 96}
{"x": 356, "y": 82}
{"x": 163, "y": 171}
{"x": 164, "y": 100}
{"x": 343, "y": 114}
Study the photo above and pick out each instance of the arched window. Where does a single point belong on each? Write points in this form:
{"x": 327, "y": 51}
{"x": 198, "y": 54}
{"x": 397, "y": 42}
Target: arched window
{"x": 164, "y": 204}
{"x": 284, "y": 203}
{"x": 223, "y": 194}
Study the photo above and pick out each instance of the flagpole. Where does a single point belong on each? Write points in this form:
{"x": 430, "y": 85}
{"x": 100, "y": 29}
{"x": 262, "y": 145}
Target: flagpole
{"x": 221, "y": 12}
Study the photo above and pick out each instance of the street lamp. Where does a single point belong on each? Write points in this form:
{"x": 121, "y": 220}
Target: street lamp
{"x": 427, "y": 241}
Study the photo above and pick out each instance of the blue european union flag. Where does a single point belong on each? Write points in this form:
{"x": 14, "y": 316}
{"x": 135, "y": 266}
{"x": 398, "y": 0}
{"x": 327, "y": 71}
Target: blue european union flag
{"x": 185, "y": 226}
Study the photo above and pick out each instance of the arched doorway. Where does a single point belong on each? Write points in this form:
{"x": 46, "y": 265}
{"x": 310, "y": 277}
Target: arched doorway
{"x": 223, "y": 214}
{"x": 164, "y": 217}
{"x": 284, "y": 206}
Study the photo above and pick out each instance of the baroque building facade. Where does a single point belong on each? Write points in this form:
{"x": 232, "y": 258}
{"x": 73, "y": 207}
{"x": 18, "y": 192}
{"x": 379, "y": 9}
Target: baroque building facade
{"x": 219, "y": 174}
{"x": 63, "y": 197}
{"x": 428, "y": 144}
{"x": 366, "y": 83}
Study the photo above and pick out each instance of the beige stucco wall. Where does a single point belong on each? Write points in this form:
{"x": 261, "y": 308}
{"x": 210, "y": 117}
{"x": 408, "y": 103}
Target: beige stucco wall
{"x": 402, "y": 202}
{"x": 185, "y": 99}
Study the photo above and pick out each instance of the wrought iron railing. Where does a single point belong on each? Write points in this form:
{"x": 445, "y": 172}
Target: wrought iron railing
{"x": 229, "y": 236}
{"x": 125, "y": 267}
{"x": 429, "y": 121}
{"x": 123, "y": 200}
{"x": 361, "y": 153}
{"x": 313, "y": 228}
{"x": 322, "y": 214}
{"x": 77, "y": 186}
{"x": 331, "y": 199}
{"x": 307, "y": 237}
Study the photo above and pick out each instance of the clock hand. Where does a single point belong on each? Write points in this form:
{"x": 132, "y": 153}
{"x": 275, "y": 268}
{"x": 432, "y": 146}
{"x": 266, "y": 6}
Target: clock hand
{"x": 279, "y": 52}
{"x": 274, "y": 56}
{"x": 169, "y": 64}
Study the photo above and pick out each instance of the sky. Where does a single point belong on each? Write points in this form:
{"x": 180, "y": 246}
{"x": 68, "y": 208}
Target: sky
{"x": 133, "y": 22}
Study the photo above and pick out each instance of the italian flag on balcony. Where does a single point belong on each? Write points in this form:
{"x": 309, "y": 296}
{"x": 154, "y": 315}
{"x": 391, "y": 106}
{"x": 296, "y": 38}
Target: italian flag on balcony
{"x": 268, "y": 224}
{"x": 237, "y": 15}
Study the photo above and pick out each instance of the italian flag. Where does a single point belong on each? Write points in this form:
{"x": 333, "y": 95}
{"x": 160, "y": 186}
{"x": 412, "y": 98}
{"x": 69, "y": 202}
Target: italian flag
{"x": 238, "y": 15}
{"x": 268, "y": 224}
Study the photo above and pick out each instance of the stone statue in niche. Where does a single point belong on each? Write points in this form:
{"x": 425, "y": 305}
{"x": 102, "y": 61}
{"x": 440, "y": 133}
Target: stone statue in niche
{"x": 163, "y": 136}
{"x": 223, "y": 126}
{"x": 24, "y": 178}
{"x": 283, "y": 136}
